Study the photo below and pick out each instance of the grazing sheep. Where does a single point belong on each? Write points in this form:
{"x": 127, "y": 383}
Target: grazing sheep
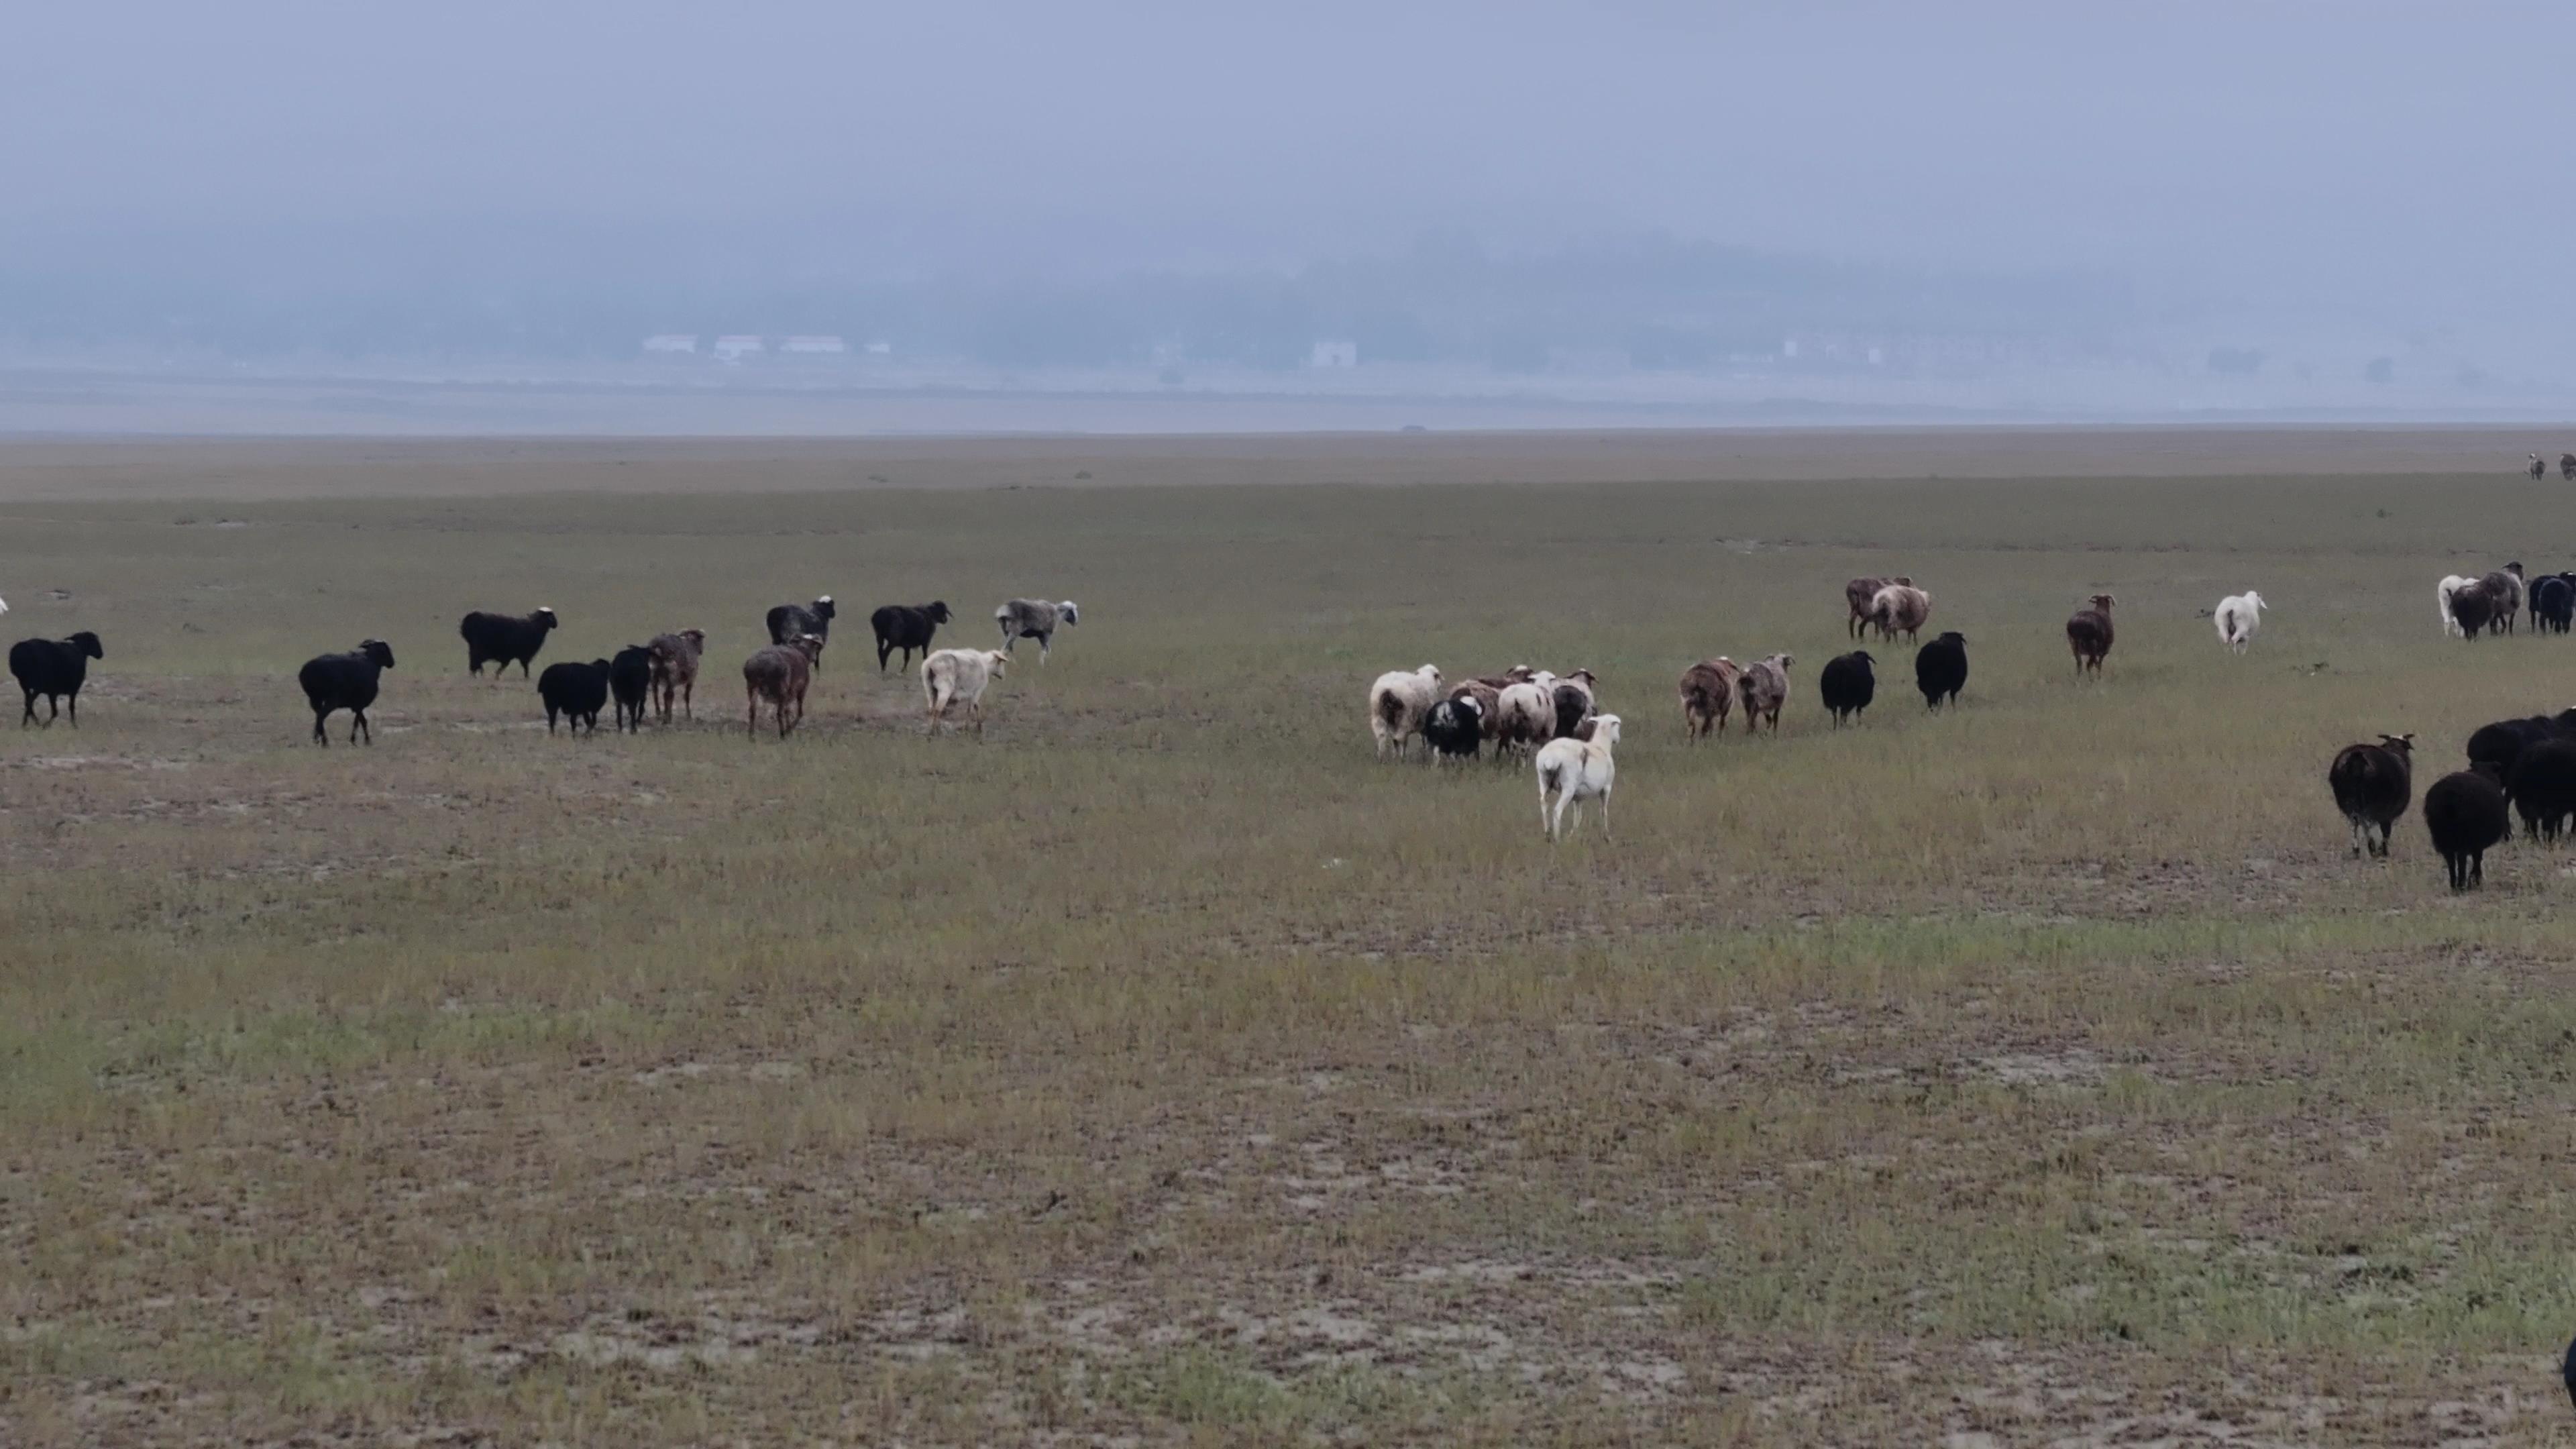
{"x": 2501, "y": 743}
{"x": 1764, "y": 687}
{"x": 56, "y": 669}
{"x": 2536, "y": 468}
{"x": 1526, "y": 715}
{"x": 2472, "y": 607}
{"x": 789, "y": 622}
{"x": 675, "y": 670}
{"x": 2445, "y": 591}
{"x": 2543, "y": 787}
{"x": 952, "y": 675}
{"x": 1900, "y": 606}
{"x": 345, "y": 681}
{"x": 1572, "y": 696}
{"x": 630, "y": 679}
{"x": 1396, "y": 704}
{"x": 1455, "y": 727}
{"x": 2371, "y": 785}
{"x": 1858, "y": 595}
{"x": 1847, "y": 684}
{"x": 578, "y": 690}
{"x": 504, "y": 640}
{"x": 2553, "y": 603}
{"x": 2465, "y": 814}
{"x": 906, "y": 627}
{"x": 781, "y": 674}
{"x": 1578, "y": 770}
{"x": 2237, "y": 617}
{"x": 2506, "y": 585}
{"x": 1941, "y": 669}
{"x": 1034, "y": 619}
{"x": 1708, "y": 696}
{"x": 1489, "y": 703}
{"x": 2088, "y": 633}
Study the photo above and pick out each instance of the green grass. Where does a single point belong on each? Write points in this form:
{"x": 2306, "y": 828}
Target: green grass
{"x": 1164, "y": 1065}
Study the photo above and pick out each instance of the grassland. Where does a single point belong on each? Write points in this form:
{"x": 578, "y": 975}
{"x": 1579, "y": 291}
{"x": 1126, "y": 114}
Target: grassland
{"x": 1164, "y": 1067}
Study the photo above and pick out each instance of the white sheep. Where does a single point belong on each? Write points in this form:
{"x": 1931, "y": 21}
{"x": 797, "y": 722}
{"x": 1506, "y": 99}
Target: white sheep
{"x": 2451, "y": 584}
{"x": 1397, "y": 704}
{"x": 1577, "y": 770}
{"x": 2237, "y": 617}
{"x": 951, "y": 675}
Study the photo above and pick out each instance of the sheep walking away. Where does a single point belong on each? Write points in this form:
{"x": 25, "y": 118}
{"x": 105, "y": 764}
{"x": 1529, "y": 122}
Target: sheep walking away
{"x": 953, "y": 676}
{"x": 1847, "y": 685}
{"x": 504, "y": 640}
{"x": 2237, "y": 617}
{"x": 1764, "y": 688}
{"x": 1576, "y": 771}
{"x": 906, "y": 628}
{"x": 630, "y": 682}
{"x": 1397, "y": 703}
{"x": 54, "y": 669}
{"x": 2465, "y": 814}
{"x": 345, "y": 681}
{"x": 1034, "y": 619}
{"x": 578, "y": 691}
{"x": 675, "y": 670}
{"x": 1941, "y": 669}
{"x": 2372, "y": 785}
{"x": 779, "y": 676}
{"x": 2088, "y": 634}
{"x": 1708, "y": 696}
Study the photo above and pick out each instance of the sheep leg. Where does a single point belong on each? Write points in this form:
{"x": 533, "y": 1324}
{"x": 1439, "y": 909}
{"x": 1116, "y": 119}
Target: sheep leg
{"x": 978, "y": 708}
{"x": 1546, "y": 831}
{"x": 689, "y": 702}
{"x": 1605, "y": 815}
{"x": 29, "y": 717}
{"x": 75, "y": 709}
{"x": 357, "y": 723}
{"x": 319, "y": 737}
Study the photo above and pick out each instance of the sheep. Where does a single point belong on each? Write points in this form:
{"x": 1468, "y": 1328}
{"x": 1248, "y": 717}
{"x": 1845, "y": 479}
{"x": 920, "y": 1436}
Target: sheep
{"x": 2566, "y": 473}
{"x": 1847, "y": 685}
{"x": 2501, "y": 743}
{"x": 1858, "y": 595}
{"x": 1900, "y": 606}
{"x": 1517, "y": 674}
{"x": 1488, "y": 699}
{"x": 1578, "y": 770}
{"x": 504, "y": 640}
{"x": 1941, "y": 669}
{"x": 577, "y": 690}
{"x": 906, "y": 627}
{"x": 675, "y": 670}
{"x": 2537, "y": 469}
{"x": 1764, "y": 687}
{"x": 2553, "y": 603}
{"x": 2371, "y": 785}
{"x": 630, "y": 679}
{"x": 2237, "y": 617}
{"x": 951, "y": 675}
{"x": 2464, "y": 812}
{"x": 56, "y": 669}
{"x": 2088, "y": 634}
{"x": 345, "y": 681}
{"x": 781, "y": 674}
{"x": 1708, "y": 696}
{"x": 1455, "y": 727}
{"x": 2506, "y": 585}
{"x": 2443, "y": 593}
{"x": 2473, "y": 607}
{"x": 789, "y": 622}
{"x": 2543, "y": 787}
{"x": 1034, "y": 619}
{"x": 1572, "y": 697}
{"x": 1396, "y": 704}
{"x": 1526, "y": 714}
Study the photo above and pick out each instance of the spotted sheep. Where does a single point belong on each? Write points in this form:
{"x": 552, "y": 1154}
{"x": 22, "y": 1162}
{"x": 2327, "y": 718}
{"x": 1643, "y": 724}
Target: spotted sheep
{"x": 1034, "y": 619}
{"x": 1397, "y": 703}
{"x": 1764, "y": 687}
{"x": 779, "y": 677}
{"x": 1708, "y": 696}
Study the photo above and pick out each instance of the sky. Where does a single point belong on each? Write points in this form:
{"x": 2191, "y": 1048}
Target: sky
{"x": 2404, "y": 161}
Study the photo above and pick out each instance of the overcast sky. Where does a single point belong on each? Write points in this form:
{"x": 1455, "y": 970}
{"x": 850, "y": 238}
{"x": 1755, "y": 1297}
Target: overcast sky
{"x": 2319, "y": 147}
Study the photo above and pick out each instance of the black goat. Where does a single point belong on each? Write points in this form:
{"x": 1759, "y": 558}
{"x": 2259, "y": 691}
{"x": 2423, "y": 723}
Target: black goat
{"x": 578, "y": 690}
{"x": 1941, "y": 669}
{"x": 2465, "y": 812}
{"x": 56, "y": 669}
{"x": 630, "y": 679}
{"x": 345, "y": 681}
{"x": 504, "y": 639}
{"x": 906, "y": 627}
{"x": 1847, "y": 685}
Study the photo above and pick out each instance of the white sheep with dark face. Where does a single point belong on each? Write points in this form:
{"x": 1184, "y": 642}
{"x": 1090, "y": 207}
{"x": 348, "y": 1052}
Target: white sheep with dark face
{"x": 1034, "y": 619}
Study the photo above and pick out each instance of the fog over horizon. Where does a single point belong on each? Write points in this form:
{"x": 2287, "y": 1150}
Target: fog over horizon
{"x": 2282, "y": 205}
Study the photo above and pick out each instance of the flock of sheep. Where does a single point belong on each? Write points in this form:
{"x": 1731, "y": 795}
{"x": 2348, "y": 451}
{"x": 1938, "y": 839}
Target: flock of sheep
{"x": 663, "y": 672}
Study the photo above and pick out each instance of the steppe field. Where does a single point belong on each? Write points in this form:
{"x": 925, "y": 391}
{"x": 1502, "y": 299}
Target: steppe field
{"x": 1162, "y": 1068}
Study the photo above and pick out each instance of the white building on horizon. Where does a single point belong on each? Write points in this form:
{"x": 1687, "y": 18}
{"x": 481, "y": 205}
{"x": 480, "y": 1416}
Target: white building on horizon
{"x": 736, "y": 346}
{"x": 672, "y": 342}
{"x": 813, "y": 345}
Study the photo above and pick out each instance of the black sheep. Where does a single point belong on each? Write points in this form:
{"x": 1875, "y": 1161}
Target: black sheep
{"x": 504, "y": 640}
{"x": 2502, "y": 743}
{"x": 630, "y": 679}
{"x": 1847, "y": 685}
{"x": 1941, "y": 668}
{"x": 789, "y": 622}
{"x": 1455, "y": 726}
{"x": 905, "y": 627}
{"x": 578, "y": 690}
{"x": 345, "y": 681}
{"x": 56, "y": 669}
{"x": 2553, "y": 603}
{"x": 2371, "y": 785}
{"x": 2543, "y": 787}
{"x": 2466, "y": 813}
{"x": 2473, "y": 608}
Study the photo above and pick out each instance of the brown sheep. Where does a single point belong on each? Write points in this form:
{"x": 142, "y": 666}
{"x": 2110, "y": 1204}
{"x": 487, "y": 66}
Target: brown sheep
{"x": 1764, "y": 686}
{"x": 1708, "y": 696}
{"x": 2088, "y": 633}
{"x": 781, "y": 674}
{"x": 2474, "y": 606}
{"x": 1860, "y": 594}
{"x": 2505, "y": 586}
{"x": 1488, "y": 698}
{"x": 675, "y": 670}
{"x": 1900, "y": 606}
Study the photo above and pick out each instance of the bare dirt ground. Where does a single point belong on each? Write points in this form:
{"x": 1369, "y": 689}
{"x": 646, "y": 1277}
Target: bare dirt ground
{"x": 1162, "y": 1068}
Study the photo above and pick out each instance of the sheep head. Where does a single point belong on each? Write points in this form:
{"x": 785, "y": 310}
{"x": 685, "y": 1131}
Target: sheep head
{"x": 1605, "y": 729}
{"x": 544, "y": 618}
{"x": 810, "y": 645}
{"x": 2402, "y": 744}
{"x": 378, "y": 651}
{"x": 1071, "y": 614}
{"x": 2102, "y": 602}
